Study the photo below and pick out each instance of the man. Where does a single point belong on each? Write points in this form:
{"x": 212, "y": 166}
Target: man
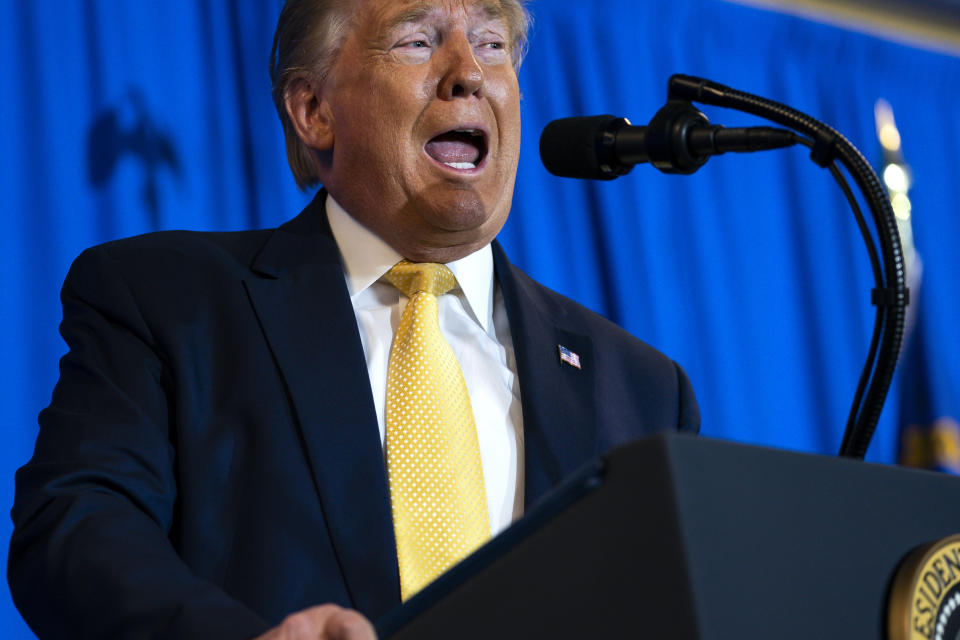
{"x": 212, "y": 463}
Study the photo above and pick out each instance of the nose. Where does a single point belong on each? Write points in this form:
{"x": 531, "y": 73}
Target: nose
{"x": 462, "y": 73}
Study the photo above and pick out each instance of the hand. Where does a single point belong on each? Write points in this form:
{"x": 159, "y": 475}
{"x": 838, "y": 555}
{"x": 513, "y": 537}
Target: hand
{"x": 324, "y": 622}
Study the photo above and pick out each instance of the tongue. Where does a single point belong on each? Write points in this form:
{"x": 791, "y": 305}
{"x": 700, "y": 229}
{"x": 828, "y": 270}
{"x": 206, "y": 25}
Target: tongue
{"x": 453, "y": 147}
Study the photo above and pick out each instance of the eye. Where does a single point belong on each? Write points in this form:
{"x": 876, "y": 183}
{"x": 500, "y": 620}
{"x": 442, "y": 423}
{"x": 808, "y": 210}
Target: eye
{"x": 490, "y": 42}
{"x": 415, "y": 40}
{"x": 492, "y": 50}
{"x": 414, "y": 48}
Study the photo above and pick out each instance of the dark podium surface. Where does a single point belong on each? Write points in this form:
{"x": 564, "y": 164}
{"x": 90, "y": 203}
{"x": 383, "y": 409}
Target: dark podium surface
{"x": 681, "y": 537}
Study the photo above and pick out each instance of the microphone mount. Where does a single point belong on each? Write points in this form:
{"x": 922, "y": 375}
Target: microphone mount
{"x": 679, "y": 139}
{"x": 668, "y": 138}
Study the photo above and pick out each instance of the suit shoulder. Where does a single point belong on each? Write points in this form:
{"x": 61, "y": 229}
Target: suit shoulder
{"x": 162, "y": 274}
{"x": 227, "y": 247}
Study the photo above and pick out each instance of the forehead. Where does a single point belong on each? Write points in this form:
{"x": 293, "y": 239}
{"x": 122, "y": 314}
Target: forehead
{"x": 389, "y": 13}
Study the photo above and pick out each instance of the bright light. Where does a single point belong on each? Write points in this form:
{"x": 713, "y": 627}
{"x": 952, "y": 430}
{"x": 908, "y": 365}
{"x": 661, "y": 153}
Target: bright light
{"x": 901, "y": 206}
{"x": 890, "y": 137}
{"x": 886, "y": 125}
{"x": 895, "y": 178}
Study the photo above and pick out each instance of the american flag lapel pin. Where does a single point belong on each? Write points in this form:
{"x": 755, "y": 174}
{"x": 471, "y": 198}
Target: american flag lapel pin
{"x": 568, "y": 356}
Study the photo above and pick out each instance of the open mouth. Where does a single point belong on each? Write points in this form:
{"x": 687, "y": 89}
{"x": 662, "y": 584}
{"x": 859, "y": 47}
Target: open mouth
{"x": 462, "y": 149}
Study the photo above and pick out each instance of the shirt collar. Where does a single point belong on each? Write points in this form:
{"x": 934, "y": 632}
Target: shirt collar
{"x": 366, "y": 257}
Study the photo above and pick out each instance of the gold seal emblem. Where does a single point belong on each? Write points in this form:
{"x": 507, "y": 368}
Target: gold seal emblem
{"x": 925, "y": 596}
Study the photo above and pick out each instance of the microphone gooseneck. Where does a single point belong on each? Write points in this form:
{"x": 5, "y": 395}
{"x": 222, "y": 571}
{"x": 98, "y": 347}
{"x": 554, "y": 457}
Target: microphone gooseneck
{"x": 679, "y": 139}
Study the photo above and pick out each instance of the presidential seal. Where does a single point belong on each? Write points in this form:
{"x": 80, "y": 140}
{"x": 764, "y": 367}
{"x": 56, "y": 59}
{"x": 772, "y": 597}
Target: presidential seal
{"x": 925, "y": 595}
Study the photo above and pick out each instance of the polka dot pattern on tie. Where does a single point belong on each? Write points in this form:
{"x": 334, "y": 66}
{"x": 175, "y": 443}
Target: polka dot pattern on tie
{"x": 437, "y": 492}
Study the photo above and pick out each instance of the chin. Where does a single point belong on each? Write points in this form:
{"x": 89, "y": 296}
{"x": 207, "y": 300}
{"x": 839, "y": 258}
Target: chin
{"x": 457, "y": 210}
{"x": 453, "y": 229}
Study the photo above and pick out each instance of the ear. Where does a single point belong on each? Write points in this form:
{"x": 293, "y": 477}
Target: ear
{"x": 309, "y": 114}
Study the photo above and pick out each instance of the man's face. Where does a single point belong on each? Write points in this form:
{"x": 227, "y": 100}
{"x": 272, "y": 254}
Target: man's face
{"x": 424, "y": 109}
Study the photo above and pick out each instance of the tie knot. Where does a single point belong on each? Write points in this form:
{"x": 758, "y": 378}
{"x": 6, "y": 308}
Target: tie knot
{"x": 413, "y": 277}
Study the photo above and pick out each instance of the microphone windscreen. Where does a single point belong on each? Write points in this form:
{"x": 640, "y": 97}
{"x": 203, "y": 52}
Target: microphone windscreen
{"x": 573, "y": 147}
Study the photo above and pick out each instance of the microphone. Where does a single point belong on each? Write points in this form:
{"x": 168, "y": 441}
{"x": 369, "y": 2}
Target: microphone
{"x": 679, "y": 139}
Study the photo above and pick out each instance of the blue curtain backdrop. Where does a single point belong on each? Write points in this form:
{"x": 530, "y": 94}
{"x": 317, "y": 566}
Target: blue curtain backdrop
{"x": 121, "y": 117}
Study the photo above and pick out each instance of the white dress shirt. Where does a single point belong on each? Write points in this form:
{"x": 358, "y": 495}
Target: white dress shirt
{"x": 473, "y": 319}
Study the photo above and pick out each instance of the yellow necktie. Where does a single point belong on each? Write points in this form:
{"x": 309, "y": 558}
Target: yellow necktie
{"x": 437, "y": 493}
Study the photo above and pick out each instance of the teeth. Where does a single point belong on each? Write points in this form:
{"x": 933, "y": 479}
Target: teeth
{"x": 461, "y": 165}
{"x": 472, "y": 132}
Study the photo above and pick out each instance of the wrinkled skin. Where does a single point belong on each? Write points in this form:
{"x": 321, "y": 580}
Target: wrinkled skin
{"x": 407, "y": 72}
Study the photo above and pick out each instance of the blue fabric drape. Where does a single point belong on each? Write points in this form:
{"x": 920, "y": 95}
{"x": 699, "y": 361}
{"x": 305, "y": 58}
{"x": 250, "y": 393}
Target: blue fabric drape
{"x": 751, "y": 272}
{"x": 118, "y": 118}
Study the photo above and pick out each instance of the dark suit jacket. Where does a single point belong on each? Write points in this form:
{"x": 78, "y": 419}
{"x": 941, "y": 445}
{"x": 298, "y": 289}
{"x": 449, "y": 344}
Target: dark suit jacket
{"x": 210, "y": 460}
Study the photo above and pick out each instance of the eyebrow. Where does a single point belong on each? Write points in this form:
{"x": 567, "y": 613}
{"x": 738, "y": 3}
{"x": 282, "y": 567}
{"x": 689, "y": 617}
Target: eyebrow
{"x": 414, "y": 14}
{"x": 418, "y": 12}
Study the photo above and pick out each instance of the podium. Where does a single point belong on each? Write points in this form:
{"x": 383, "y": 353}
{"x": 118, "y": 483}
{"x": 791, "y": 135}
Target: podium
{"x": 689, "y": 538}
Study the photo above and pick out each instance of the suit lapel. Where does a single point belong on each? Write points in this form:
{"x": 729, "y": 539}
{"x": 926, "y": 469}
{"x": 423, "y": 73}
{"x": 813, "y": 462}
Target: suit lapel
{"x": 559, "y": 410}
{"x": 303, "y": 306}
{"x": 305, "y": 311}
